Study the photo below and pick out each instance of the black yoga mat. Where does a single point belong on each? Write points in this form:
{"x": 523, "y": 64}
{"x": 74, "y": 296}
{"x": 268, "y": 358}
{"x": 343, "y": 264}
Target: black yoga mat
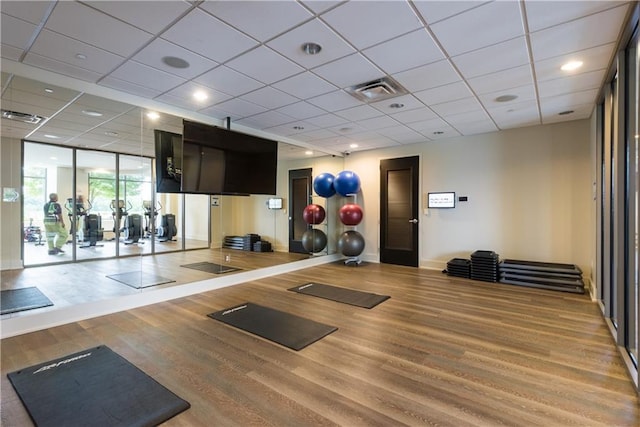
{"x": 210, "y": 267}
{"x": 94, "y": 387}
{"x": 139, "y": 279}
{"x": 14, "y": 300}
{"x": 283, "y": 328}
{"x": 347, "y": 296}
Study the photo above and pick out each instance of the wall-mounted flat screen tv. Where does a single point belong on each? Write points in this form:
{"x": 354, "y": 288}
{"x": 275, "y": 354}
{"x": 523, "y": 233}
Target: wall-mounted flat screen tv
{"x": 168, "y": 161}
{"x": 441, "y": 200}
{"x": 221, "y": 161}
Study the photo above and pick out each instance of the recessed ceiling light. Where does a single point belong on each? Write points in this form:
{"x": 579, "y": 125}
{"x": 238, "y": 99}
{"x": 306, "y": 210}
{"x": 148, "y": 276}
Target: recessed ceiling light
{"x": 48, "y": 135}
{"x": 564, "y": 113}
{"x": 438, "y": 132}
{"x": 353, "y": 145}
{"x": 506, "y": 98}
{"x": 396, "y": 105}
{"x": 92, "y": 113}
{"x": 153, "y": 115}
{"x": 308, "y": 152}
{"x": 200, "y": 95}
{"x": 175, "y": 62}
{"x": 81, "y": 56}
{"x": 571, "y": 65}
{"x": 298, "y": 127}
{"x": 48, "y": 90}
{"x": 311, "y": 48}
{"x": 111, "y": 133}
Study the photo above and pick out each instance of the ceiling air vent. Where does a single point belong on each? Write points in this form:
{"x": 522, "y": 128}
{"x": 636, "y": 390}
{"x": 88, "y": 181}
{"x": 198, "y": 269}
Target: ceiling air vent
{"x": 22, "y": 117}
{"x": 377, "y": 90}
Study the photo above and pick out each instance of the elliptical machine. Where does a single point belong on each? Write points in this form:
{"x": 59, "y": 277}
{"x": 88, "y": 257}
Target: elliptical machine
{"x": 167, "y": 229}
{"x": 150, "y": 215}
{"x": 81, "y": 212}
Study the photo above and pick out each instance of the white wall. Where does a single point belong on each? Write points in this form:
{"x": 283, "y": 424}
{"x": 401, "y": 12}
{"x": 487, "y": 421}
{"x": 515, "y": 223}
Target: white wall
{"x": 529, "y": 195}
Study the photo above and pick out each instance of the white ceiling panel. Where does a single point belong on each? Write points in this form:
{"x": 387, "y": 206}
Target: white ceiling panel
{"x": 139, "y": 14}
{"x": 15, "y": 32}
{"x": 316, "y": 31}
{"x": 473, "y": 128}
{"x": 593, "y": 59}
{"x": 445, "y": 93}
{"x": 30, "y": 11}
{"x": 428, "y": 76}
{"x": 351, "y": 70}
{"x": 509, "y": 54}
{"x": 228, "y": 81}
{"x": 505, "y": 79}
{"x": 273, "y": 66}
{"x": 391, "y": 55}
{"x": 143, "y": 75}
{"x": 60, "y": 67}
{"x": 523, "y": 93}
{"x": 459, "y": 119}
{"x": 335, "y": 101}
{"x": 155, "y": 52}
{"x": 239, "y": 107}
{"x": 183, "y": 96}
{"x": 436, "y": 10}
{"x": 305, "y": 85}
{"x": 564, "y": 85}
{"x": 415, "y": 115}
{"x": 482, "y": 26}
{"x": 132, "y": 88}
{"x": 538, "y": 15}
{"x": 326, "y": 120}
{"x": 302, "y": 110}
{"x": 266, "y": 120}
{"x": 269, "y": 98}
{"x": 390, "y": 106}
{"x": 367, "y": 23}
{"x": 456, "y": 107}
{"x": 360, "y": 112}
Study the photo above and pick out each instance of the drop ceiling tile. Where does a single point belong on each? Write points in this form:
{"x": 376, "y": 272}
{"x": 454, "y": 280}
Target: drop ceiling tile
{"x": 315, "y": 135}
{"x": 430, "y": 125}
{"x": 482, "y": 26}
{"x": 151, "y": 18}
{"x": 392, "y": 57}
{"x": 290, "y": 44}
{"x": 402, "y": 134}
{"x": 523, "y": 93}
{"x": 378, "y": 123}
{"x": 348, "y": 71}
{"x": 509, "y": 116}
{"x": 593, "y": 59}
{"x": 146, "y": 76}
{"x": 474, "y": 128}
{"x": 15, "y": 32}
{"x": 458, "y": 120}
{"x": 450, "y": 92}
{"x": 435, "y": 10}
{"x": 228, "y": 81}
{"x": 367, "y": 23}
{"x": 334, "y": 101}
{"x": 61, "y": 67}
{"x": 30, "y": 11}
{"x": 428, "y": 76}
{"x": 182, "y": 96}
{"x": 265, "y": 65}
{"x": 415, "y": 115}
{"x": 260, "y": 19}
{"x": 408, "y": 102}
{"x": 10, "y": 52}
{"x": 566, "y": 101}
{"x": 85, "y": 24}
{"x": 578, "y": 35}
{"x": 238, "y": 108}
{"x": 28, "y": 107}
{"x": 575, "y": 83}
{"x": 541, "y": 14}
{"x": 360, "y": 112}
{"x": 305, "y": 85}
{"x": 108, "y": 106}
{"x": 269, "y": 97}
{"x": 444, "y": 133}
{"x": 582, "y": 111}
{"x": 129, "y": 87}
{"x": 456, "y": 107}
{"x": 326, "y": 120}
{"x": 291, "y": 129}
{"x": 64, "y": 49}
{"x": 319, "y": 6}
{"x": 266, "y": 120}
{"x": 153, "y": 54}
{"x": 505, "y": 79}
{"x": 504, "y": 55}
{"x": 29, "y": 86}
{"x": 207, "y": 36}
{"x": 302, "y": 110}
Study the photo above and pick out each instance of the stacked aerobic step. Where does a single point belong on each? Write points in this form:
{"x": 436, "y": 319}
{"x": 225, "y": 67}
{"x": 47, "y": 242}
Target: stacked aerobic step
{"x": 248, "y": 240}
{"x": 233, "y": 242}
{"x": 544, "y": 275}
{"x": 459, "y": 267}
{"x": 484, "y": 266}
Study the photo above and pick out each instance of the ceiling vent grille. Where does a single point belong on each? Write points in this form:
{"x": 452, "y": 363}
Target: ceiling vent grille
{"x": 377, "y": 90}
{"x": 22, "y": 117}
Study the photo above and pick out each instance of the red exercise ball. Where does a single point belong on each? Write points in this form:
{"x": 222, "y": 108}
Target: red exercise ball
{"x": 313, "y": 214}
{"x": 350, "y": 214}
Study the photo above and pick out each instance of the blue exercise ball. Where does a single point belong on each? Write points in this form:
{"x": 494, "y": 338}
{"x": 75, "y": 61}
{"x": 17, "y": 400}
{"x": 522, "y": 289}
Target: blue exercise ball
{"x": 346, "y": 183}
{"x": 314, "y": 240}
{"x": 323, "y": 185}
{"x": 351, "y": 243}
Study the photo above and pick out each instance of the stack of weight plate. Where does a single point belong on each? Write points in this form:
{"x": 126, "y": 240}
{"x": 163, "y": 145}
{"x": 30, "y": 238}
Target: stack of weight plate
{"x": 459, "y": 267}
{"x": 233, "y": 242}
{"x": 543, "y": 275}
{"x": 484, "y": 266}
{"x": 248, "y": 240}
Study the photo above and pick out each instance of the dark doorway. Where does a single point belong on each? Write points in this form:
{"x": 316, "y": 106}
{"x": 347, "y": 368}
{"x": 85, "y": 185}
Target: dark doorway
{"x": 399, "y": 211}
{"x": 299, "y": 197}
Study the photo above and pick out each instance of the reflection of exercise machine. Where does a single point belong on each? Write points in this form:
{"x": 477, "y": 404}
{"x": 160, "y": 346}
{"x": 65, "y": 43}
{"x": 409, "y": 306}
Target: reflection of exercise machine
{"x": 150, "y": 214}
{"x": 81, "y": 212}
{"x": 132, "y": 230}
{"x": 167, "y": 229}
{"x": 92, "y": 230}
{"x": 33, "y": 233}
{"x": 119, "y": 213}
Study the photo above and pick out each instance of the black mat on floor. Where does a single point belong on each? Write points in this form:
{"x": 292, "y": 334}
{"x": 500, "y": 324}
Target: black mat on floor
{"x": 14, "y": 300}
{"x": 210, "y": 267}
{"x": 95, "y": 387}
{"x": 343, "y": 295}
{"x": 139, "y": 279}
{"x": 283, "y": 328}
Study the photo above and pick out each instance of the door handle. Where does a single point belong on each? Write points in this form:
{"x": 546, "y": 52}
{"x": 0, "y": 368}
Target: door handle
{"x": 414, "y": 221}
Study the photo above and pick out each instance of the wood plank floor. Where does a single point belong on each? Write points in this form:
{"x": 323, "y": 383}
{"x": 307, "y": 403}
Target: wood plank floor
{"x": 440, "y": 351}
